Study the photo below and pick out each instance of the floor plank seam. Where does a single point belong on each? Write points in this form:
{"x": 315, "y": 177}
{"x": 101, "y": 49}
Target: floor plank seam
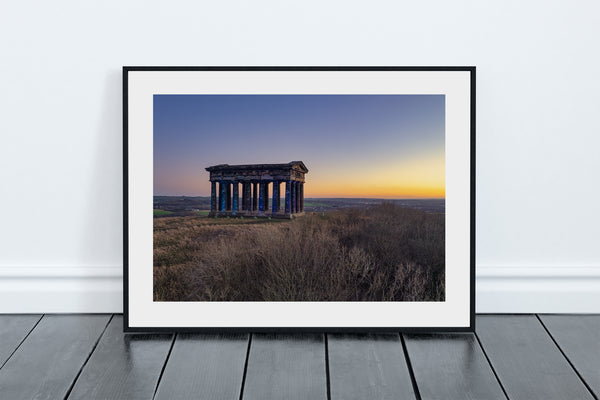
{"x": 411, "y": 372}
{"x": 88, "y": 358}
{"x": 327, "y": 374}
{"x": 246, "y": 366}
{"x": 162, "y": 371}
{"x": 491, "y": 366}
{"x": 21, "y": 342}
{"x": 567, "y": 358}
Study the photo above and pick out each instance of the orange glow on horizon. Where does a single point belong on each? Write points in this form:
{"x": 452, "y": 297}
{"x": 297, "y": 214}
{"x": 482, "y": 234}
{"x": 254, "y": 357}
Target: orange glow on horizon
{"x": 396, "y": 192}
{"x": 421, "y": 176}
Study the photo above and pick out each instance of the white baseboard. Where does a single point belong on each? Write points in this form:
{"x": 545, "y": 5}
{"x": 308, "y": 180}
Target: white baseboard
{"x": 562, "y": 289}
{"x": 505, "y": 289}
{"x": 51, "y": 289}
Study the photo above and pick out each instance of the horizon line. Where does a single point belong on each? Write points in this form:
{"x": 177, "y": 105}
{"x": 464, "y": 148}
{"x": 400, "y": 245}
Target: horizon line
{"x": 329, "y": 197}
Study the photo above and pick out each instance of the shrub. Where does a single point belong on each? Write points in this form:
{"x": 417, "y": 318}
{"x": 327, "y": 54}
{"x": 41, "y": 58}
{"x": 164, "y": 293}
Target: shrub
{"x": 383, "y": 253}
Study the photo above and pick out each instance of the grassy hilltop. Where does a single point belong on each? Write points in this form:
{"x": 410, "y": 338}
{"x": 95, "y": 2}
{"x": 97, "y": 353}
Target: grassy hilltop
{"x": 380, "y": 253}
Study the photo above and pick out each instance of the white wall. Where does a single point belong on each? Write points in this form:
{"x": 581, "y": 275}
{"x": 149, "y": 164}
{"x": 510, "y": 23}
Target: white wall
{"x": 538, "y": 127}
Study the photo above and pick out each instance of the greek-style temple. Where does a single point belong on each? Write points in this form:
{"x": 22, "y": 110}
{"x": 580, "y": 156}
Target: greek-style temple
{"x": 259, "y": 182}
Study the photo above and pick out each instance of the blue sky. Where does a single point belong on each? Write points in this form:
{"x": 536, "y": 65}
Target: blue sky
{"x": 389, "y": 146}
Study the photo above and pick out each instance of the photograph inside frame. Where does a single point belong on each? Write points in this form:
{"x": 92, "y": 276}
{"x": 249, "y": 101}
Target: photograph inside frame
{"x": 306, "y": 197}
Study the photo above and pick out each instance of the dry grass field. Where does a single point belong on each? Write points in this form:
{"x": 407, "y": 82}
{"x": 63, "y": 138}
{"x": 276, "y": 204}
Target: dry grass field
{"x": 381, "y": 253}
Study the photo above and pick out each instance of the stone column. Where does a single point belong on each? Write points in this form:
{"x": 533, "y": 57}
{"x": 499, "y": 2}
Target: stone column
{"x": 261, "y": 197}
{"x": 243, "y": 196}
{"x": 222, "y": 196}
{"x": 248, "y": 196}
{"x": 297, "y": 197}
{"x": 213, "y": 196}
{"x": 254, "y": 196}
{"x": 301, "y": 196}
{"x": 236, "y": 196}
{"x": 243, "y": 207}
{"x": 266, "y": 190}
{"x": 276, "y": 199}
{"x": 294, "y": 195}
{"x": 228, "y": 186}
{"x": 288, "y": 197}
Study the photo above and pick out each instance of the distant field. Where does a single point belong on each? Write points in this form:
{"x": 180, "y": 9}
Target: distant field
{"x": 315, "y": 204}
{"x": 381, "y": 253}
{"x": 162, "y": 212}
{"x": 190, "y": 206}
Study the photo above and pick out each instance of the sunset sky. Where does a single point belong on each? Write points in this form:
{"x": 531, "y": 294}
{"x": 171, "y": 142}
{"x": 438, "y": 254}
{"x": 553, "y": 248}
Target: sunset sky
{"x": 377, "y": 146}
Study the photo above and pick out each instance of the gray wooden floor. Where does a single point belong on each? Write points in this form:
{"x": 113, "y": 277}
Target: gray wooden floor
{"x": 510, "y": 356}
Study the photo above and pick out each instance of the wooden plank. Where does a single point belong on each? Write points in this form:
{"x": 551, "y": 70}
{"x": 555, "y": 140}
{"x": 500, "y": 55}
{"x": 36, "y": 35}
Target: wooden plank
{"x": 206, "y": 367}
{"x": 13, "y": 329}
{"x": 579, "y": 338}
{"x": 451, "y": 366}
{"x": 368, "y": 366}
{"x": 286, "y": 366}
{"x": 123, "y": 366}
{"x": 526, "y": 360}
{"x": 47, "y": 363}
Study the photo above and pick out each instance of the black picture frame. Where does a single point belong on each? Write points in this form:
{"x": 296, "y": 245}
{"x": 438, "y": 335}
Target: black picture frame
{"x": 127, "y": 279}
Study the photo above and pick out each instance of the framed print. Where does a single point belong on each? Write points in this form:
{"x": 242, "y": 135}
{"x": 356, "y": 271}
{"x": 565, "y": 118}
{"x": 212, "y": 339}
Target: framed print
{"x": 299, "y": 198}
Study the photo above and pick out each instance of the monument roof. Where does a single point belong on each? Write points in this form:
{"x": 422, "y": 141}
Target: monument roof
{"x": 241, "y": 167}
